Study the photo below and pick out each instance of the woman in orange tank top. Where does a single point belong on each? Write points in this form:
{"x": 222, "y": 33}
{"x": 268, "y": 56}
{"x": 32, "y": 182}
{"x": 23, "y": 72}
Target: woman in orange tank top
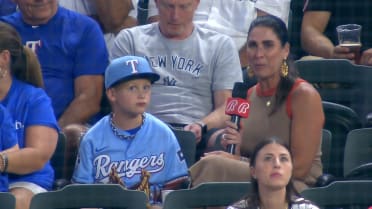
{"x": 281, "y": 105}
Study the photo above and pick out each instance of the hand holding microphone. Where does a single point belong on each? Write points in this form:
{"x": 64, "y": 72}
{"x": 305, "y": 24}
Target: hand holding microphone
{"x": 237, "y": 107}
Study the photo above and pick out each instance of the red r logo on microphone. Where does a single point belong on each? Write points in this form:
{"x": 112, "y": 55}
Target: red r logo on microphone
{"x": 237, "y": 106}
{"x": 231, "y": 105}
{"x": 243, "y": 108}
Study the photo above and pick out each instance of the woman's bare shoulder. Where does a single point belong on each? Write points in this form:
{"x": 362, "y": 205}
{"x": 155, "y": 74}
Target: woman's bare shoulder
{"x": 305, "y": 91}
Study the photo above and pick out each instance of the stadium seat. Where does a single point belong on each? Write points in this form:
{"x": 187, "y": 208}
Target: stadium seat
{"x": 187, "y": 142}
{"x": 340, "y": 81}
{"x": 358, "y": 154}
{"x": 339, "y": 120}
{"x": 90, "y": 196}
{"x": 353, "y": 194}
{"x": 7, "y": 200}
{"x": 209, "y": 194}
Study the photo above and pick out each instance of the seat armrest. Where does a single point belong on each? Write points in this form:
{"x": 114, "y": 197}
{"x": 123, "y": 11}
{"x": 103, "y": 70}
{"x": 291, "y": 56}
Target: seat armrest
{"x": 60, "y": 183}
{"x": 324, "y": 180}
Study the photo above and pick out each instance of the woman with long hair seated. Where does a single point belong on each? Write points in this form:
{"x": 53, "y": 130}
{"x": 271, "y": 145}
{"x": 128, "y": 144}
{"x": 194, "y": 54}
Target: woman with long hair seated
{"x": 271, "y": 168}
{"x": 281, "y": 105}
{"x": 22, "y": 95}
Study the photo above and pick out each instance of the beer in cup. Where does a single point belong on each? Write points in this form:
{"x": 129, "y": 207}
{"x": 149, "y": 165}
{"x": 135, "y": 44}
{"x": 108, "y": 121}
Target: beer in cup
{"x": 349, "y": 36}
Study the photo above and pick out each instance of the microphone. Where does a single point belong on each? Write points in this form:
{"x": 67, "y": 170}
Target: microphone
{"x": 237, "y": 107}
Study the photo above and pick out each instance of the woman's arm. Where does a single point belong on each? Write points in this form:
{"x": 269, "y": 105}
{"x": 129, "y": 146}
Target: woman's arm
{"x": 307, "y": 124}
{"x": 40, "y": 144}
{"x": 11, "y": 149}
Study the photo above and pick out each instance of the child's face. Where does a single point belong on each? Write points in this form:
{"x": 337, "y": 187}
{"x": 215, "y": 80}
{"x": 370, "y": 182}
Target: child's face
{"x": 132, "y": 96}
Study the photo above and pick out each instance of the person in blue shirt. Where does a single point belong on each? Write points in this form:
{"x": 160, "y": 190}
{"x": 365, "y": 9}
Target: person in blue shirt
{"x": 8, "y": 143}
{"x": 37, "y": 130}
{"x": 73, "y": 57}
{"x": 7, "y": 7}
{"x": 130, "y": 141}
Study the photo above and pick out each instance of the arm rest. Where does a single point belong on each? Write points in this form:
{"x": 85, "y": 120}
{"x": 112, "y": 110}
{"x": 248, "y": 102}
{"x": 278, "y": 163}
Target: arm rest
{"x": 60, "y": 183}
{"x": 324, "y": 180}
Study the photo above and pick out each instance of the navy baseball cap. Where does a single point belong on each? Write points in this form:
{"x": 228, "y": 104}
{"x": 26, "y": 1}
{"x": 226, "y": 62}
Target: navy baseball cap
{"x": 127, "y": 68}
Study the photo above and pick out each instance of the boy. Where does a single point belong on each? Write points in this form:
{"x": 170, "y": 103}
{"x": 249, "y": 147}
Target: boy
{"x": 130, "y": 145}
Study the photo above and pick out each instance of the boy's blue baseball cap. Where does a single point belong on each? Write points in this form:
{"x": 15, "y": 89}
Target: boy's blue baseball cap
{"x": 128, "y": 68}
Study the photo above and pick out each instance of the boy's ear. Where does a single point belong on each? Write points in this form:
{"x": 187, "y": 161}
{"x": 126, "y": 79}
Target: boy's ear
{"x": 111, "y": 94}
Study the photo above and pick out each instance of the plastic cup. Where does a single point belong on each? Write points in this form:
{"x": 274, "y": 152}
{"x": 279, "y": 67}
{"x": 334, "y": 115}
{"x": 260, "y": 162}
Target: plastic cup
{"x": 349, "y": 36}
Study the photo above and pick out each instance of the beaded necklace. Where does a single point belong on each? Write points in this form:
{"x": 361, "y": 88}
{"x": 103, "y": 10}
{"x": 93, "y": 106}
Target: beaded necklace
{"x": 122, "y": 136}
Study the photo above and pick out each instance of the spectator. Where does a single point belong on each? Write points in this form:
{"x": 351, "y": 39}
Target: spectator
{"x": 233, "y": 19}
{"x": 8, "y": 143}
{"x": 279, "y": 8}
{"x": 112, "y": 15}
{"x": 318, "y": 34}
{"x": 271, "y": 169}
{"x": 37, "y": 130}
{"x": 7, "y": 7}
{"x": 73, "y": 60}
{"x": 197, "y": 67}
{"x": 227, "y": 18}
{"x": 281, "y": 105}
{"x": 129, "y": 140}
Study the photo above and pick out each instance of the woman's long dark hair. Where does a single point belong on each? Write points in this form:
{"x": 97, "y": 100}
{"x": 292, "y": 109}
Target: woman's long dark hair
{"x": 24, "y": 63}
{"x": 253, "y": 199}
{"x": 280, "y": 29}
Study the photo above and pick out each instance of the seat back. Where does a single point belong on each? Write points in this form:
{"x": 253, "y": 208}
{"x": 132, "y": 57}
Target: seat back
{"x": 358, "y": 151}
{"x": 58, "y": 158}
{"x": 326, "y": 149}
{"x": 90, "y": 196}
{"x": 341, "y": 194}
{"x": 7, "y": 200}
{"x": 339, "y": 120}
{"x": 209, "y": 194}
{"x": 340, "y": 81}
{"x": 187, "y": 142}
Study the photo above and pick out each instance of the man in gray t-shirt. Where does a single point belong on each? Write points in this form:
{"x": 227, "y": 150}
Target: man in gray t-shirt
{"x": 197, "y": 67}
